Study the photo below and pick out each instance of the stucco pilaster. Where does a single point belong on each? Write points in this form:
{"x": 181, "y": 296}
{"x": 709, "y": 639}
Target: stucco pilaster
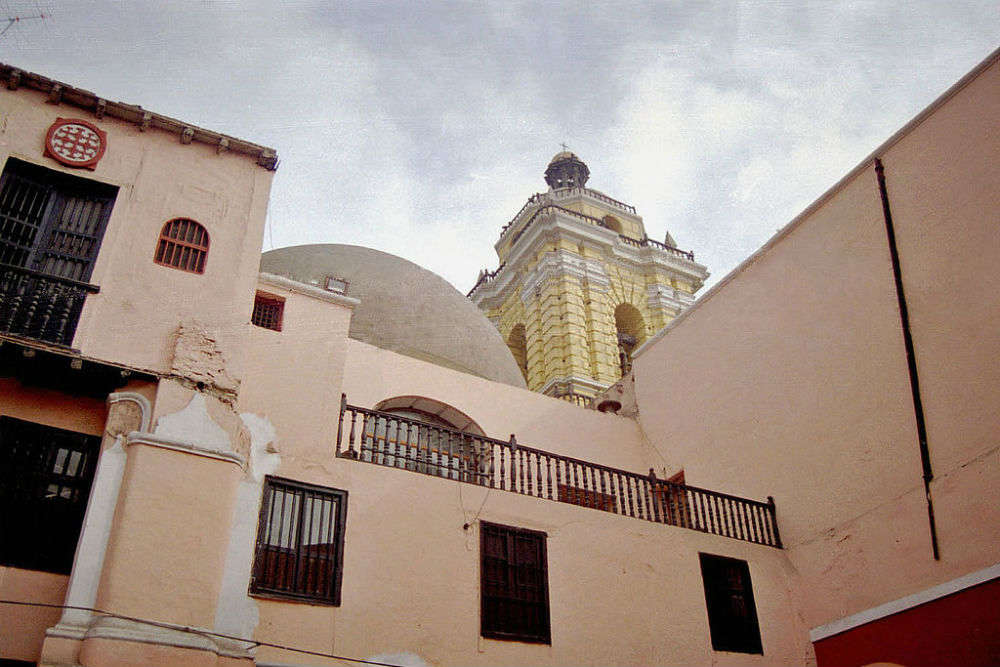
{"x": 127, "y": 411}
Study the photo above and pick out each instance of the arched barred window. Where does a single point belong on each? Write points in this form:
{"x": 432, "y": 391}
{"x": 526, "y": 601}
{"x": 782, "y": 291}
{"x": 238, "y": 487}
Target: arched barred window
{"x": 183, "y": 245}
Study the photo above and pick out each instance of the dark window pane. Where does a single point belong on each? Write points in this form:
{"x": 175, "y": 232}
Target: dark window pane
{"x": 514, "y": 581}
{"x": 732, "y": 615}
{"x": 45, "y": 479}
{"x": 268, "y": 311}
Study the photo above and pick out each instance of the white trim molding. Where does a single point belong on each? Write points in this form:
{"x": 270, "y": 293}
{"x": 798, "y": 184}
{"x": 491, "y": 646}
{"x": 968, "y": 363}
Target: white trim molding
{"x": 137, "y": 438}
{"x": 164, "y": 634}
{"x": 306, "y": 290}
{"x": 902, "y": 604}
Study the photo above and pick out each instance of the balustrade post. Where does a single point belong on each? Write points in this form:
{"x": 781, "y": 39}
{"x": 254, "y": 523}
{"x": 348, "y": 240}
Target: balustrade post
{"x": 652, "y": 496}
{"x": 340, "y": 421}
{"x": 548, "y": 471}
{"x": 351, "y": 452}
{"x": 513, "y": 458}
{"x": 774, "y": 520}
{"x": 503, "y": 478}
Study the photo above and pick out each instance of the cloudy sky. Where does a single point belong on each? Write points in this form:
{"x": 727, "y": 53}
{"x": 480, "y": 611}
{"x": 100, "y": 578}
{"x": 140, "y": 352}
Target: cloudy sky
{"x": 419, "y": 128}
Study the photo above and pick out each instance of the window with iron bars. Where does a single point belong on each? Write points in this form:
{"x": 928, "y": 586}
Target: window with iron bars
{"x": 183, "y": 245}
{"x": 515, "y": 586}
{"x": 300, "y": 542}
{"x": 52, "y": 222}
{"x": 268, "y": 311}
{"x": 45, "y": 479}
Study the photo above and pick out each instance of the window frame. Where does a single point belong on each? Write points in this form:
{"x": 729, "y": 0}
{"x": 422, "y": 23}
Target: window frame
{"x": 268, "y": 299}
{"x": 53, "y": 244}
{"x": 337, "y": 528}
{"x": 334, "y": 279}
{"x": 202, "y": 250}
{"x": 44, "y": 535}
{"x": 511, "y": 533}
{"x": 724, "y": 634}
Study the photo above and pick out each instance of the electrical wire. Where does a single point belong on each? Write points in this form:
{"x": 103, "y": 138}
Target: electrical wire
{"x": 253, "y": 643}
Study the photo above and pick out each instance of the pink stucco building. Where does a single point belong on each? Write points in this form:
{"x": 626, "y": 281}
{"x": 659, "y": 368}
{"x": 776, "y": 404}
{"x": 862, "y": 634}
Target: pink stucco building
{"x": 328, "y": 454}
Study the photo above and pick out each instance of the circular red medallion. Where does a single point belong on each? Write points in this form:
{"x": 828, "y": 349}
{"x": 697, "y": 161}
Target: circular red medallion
{"x": 75, "y": 142}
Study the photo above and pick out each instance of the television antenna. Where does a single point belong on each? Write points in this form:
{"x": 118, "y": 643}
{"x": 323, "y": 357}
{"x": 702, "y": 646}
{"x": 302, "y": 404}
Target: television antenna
{"x": 11, "y": 20}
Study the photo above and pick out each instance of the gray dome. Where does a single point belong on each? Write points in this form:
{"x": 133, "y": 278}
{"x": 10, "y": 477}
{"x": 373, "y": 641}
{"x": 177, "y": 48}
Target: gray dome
{"x": 404, "y": 308}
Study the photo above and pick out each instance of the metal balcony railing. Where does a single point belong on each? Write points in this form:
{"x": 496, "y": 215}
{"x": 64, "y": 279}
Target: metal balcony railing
{"x": 39, "y": 306}
{"x": 395, "y": 441}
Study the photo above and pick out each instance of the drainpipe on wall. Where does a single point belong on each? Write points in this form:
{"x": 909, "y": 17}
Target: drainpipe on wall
{"x": 911, "y": 359}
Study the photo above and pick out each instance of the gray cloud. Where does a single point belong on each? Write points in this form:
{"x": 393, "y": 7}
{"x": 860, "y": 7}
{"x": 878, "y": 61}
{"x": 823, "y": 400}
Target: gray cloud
{"x": 420, "y": 128}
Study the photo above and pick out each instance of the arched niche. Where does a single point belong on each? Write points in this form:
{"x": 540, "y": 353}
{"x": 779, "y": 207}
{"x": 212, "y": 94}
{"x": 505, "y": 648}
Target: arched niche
{"x": 518, "y": 344}
{"x": 630, "y": 327}
{"x": 424, "y": 435}
{"x": 431, "y": 411}
{"x": 613, "y": 223}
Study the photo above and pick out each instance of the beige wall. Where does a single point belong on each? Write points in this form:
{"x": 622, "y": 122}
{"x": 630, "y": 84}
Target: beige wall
{"x": 52, "y": 408}
{"x": 372, "y": 374}
{"x": 622, "y": 591}
{"x": 790, "y": 377}
{"x": 294, "y": 376}
{"x": 141, "y": 303}
{"x": 23, "y": 628}
{"x": 165, "y": 560}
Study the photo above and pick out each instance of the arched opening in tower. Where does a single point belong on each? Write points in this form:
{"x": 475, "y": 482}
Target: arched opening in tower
{"x": 518, "y": 344}
{"x": 631, "y": 328}
{"x": 611, "y": 222}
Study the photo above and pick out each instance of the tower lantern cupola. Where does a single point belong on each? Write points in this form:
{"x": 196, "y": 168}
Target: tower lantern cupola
{"x": 566, "y": 170}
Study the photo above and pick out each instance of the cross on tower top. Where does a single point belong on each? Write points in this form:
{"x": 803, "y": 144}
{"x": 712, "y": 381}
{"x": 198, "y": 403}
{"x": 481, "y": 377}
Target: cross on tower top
{"x": 564, "y": 147}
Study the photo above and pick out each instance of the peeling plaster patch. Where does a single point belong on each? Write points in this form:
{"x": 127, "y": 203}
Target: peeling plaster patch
{"x": 193, "y": 424}
{"x": 198, "y": 358}
{"x": 264, "y": 457}
{"x": 236, "y": 613}
{"x": 401, "y": 659}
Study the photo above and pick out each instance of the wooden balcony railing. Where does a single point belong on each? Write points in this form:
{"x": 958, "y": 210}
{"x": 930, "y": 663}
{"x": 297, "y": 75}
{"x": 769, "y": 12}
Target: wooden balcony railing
{"x": 391, "y": 440}
{"x": 40, "y": 306}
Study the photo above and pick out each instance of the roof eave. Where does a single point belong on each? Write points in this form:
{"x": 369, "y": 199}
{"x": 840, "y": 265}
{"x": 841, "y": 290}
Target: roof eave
{"x": 61, "y": 93}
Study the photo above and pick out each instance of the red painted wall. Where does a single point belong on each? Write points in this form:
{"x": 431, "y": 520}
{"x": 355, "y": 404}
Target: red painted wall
{"x": 962, "y": 629}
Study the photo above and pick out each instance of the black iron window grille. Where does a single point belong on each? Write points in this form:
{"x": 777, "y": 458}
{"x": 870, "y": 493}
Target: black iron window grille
{"x": 268, "y": 311}
{"x": 45, "y": 479}
{"x": 732, "y": 614}
{"x": 300, "y": 542}
{"x": 515, "y": 585}
{"x": 51, "y": 227}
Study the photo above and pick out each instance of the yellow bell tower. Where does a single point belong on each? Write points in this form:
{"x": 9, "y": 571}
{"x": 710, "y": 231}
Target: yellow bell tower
{"x": 580, "y": 285}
